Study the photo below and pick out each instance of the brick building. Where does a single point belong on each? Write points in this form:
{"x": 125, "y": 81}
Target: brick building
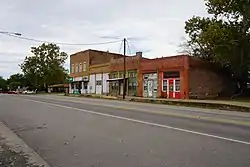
{"x": 178, "y": 77}
{"x": 80, "y": 64}
{"x": 116, "y": 79}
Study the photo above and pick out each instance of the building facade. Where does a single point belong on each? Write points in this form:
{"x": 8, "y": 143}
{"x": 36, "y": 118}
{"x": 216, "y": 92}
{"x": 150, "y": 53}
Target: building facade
{"x": 116, "y": 77}
{"x": 175, "y": 77}
{"x": 80, "y": 64}
{"x": 99, "y": 75}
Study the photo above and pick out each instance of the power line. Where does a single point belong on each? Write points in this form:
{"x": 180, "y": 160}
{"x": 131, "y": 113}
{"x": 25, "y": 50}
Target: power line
{"x": 120, "y": 47}
{"x": 136, "y": 49}
{"x": 128, "y": 47}
{"x": 61, "y": 43}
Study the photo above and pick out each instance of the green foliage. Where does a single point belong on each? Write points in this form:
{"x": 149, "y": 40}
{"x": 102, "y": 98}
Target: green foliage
{"x": 15, "y": 85}
{"x": 17, "y": 78}
{"x": 46, "y": 66}
{"x": 223, "y": 38}
{"x": 3, "y": 84}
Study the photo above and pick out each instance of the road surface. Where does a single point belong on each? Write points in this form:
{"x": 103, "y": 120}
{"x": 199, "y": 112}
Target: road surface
{"x": 77, "y": 132}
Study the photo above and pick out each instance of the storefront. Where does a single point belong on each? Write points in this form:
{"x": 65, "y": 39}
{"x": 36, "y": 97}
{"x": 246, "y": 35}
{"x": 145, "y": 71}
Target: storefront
{"x": 150, "y": 85}
{"x": 79, "y": 85}
{"x": 171, "y": 84}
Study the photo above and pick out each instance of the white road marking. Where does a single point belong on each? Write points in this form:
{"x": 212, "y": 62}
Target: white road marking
{"x": 144, "y": 122}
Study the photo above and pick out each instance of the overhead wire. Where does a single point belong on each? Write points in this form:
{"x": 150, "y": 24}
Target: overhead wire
{"x": 128, "y": 47}
{"x": 62, "y": 43}
{"x": 136, "y": 49}
{"x": 121, "y": 46}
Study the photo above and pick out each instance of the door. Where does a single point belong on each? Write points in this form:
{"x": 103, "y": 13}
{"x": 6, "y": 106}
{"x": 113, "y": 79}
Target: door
{"x": 150, "y": 88}
{"x": 171, "y": 93}
{"x": 121, "y": 88}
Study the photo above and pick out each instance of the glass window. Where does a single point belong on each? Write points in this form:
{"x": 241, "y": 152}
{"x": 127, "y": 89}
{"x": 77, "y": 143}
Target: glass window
{"x": 76, "y": 70}
{"x": 80, "y": 67}
{"x": 132, "y": 74}
{"x": 177, "y": 85}
{"x": 98, "y": 83}
{"x": 165, "y": 85}
{"x": 171, "y": 87}
{"x": 84, "y": 66}
{"x": 72, "y": 68}
{"x": 120, "y": 74}
{"x": 72, "y": 85}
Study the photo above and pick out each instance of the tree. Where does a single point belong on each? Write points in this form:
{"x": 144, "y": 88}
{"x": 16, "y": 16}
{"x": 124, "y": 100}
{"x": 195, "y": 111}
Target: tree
{"x": 16, "y": 80}
{"x": 223, "y": 38}
{"x": 45, "y": 67}
{"x": 3, "y": 84}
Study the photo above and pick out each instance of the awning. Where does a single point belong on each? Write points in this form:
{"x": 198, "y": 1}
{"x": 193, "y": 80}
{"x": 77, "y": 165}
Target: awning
{"x": 115, "y": 79}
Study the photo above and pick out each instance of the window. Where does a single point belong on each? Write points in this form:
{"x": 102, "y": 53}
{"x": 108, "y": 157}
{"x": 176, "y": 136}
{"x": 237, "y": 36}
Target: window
{"x": 132, "y": 74}
{"x": 177, "y": 85}
{"x": 145, "y": 86}
{"x": 80, "y": 67}
{"x": 72, "y": 86}
{"x": 165, "y": 85}
{"x": 72, "y": 68}
{"x": 98, "y": 83}
{"x": 76, "y": 68}
{"x": 84, "y": 66}
{"x": 120, "y": 74}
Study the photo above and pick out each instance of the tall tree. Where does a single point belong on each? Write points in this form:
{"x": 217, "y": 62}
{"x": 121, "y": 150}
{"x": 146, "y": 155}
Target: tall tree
{"x": 45, "y": 67}
{"x": 223, "y": 38}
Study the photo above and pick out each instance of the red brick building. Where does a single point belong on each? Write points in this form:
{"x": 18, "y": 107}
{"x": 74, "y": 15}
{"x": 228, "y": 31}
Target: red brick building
{"x": 178, "y": 77}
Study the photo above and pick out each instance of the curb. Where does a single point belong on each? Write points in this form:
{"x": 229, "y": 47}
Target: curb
{"x": 219, "y": 106}
{"x": 18, "y": 145}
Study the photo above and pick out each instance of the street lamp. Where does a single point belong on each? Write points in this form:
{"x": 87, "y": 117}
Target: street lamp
{"x": 10, "y": 33}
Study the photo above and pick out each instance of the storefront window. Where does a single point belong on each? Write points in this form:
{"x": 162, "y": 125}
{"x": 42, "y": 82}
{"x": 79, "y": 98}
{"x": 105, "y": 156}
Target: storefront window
{"x": 98, "y": 83}
{"x": 177, "y": 85}
{"x": 165, "y": 86}
{"x": 145, "y": 85}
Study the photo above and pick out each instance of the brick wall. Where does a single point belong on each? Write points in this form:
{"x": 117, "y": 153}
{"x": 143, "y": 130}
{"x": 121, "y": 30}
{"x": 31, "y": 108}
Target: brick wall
{"x": 92, "y": 58}
{"x": 100, "y": 57}
{"x": 165, "y": 63}
{"x": 101, "y": 68}
{"x": 204, "y": 82}
{"x": 132, "y": 63}
{"x": 79, "y": 57}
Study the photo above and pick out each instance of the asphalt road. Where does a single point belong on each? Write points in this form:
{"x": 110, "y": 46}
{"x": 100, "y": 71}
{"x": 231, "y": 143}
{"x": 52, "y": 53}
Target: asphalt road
{"x": 79, "y": 132}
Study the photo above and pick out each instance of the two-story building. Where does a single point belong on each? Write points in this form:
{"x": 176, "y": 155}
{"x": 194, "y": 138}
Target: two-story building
{"x": 80, "y": 65}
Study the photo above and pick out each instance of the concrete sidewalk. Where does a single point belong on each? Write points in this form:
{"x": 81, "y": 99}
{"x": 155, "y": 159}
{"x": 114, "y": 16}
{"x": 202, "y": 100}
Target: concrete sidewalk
{"x": 215, "y": 104}
{"x": 14, "y": 152}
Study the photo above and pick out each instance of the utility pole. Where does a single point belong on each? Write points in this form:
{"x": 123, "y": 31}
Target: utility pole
{"x": 124, "y": 69}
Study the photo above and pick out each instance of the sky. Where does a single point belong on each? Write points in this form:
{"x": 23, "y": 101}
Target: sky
{"x": 155, "y": 27}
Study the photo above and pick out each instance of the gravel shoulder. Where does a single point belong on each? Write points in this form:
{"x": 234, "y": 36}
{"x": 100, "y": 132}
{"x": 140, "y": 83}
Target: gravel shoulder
{"x": 15, "y": 153}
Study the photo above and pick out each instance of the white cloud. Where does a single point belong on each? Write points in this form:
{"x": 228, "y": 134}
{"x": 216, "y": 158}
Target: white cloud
{"x": 154, "y": 27}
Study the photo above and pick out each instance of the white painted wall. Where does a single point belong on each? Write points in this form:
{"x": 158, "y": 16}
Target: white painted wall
{"x": 92, "y": 82}
{"x": 99, "y": 87}
{"x": 105, "y": 83}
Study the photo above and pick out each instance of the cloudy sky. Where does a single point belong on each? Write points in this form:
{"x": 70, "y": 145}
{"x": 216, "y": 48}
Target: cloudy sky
{"x": 154, "y": 27}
